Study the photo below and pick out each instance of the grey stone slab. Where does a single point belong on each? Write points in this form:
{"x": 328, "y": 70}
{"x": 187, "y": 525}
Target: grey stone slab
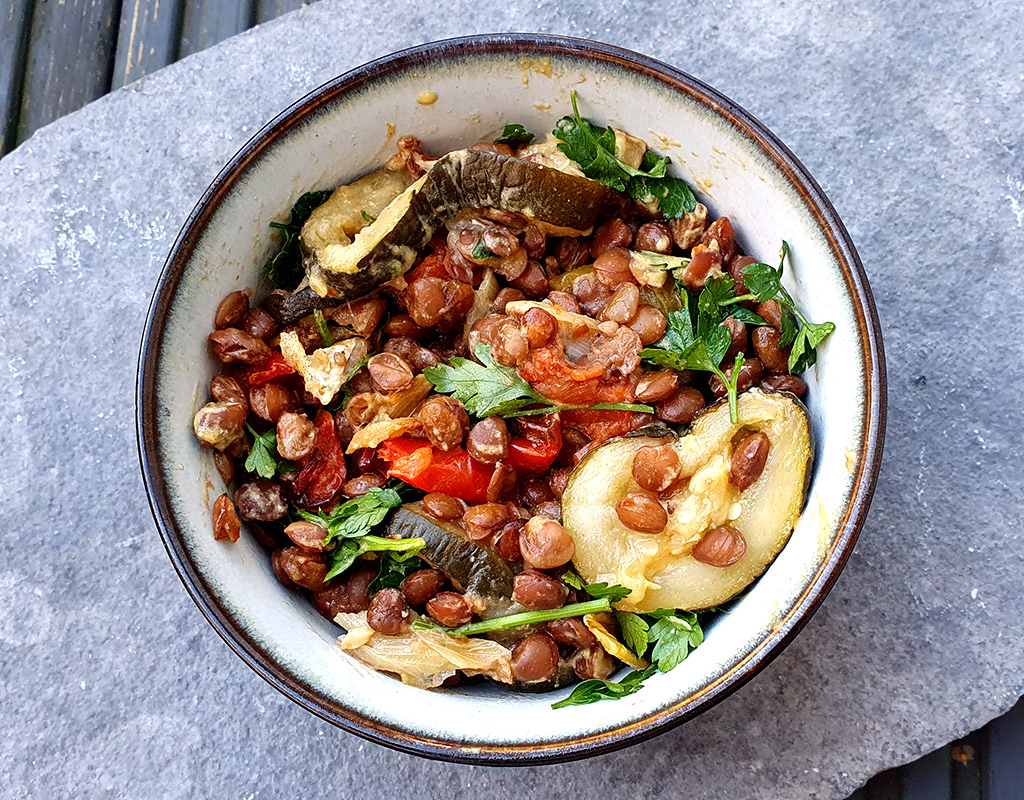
{"x": 111, "y": 683}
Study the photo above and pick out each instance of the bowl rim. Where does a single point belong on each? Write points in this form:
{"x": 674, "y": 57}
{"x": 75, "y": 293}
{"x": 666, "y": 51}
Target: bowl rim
{"x": 539, "y": 45}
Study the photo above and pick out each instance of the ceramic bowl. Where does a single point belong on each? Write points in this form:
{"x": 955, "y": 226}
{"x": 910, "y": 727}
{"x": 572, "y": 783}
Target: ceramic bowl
{"x": 346, "y": 128}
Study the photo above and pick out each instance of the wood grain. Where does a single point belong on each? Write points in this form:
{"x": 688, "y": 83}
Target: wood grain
{"x": 14, "y": 33}
{"x": 269, "y": 9}
{"x": 206, "y": 22}
{"x": 69, "y": 59}
{"x": 147, "y": 38}
{"x": 1005, "y": 755}
{"x": 928, "y": 777}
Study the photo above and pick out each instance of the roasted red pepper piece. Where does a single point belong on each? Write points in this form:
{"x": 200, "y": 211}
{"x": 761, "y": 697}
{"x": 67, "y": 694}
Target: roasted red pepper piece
{"x": 550, "y": 373}
{"x": 421, "y": 465}
{"x": 535, "y": 446}
{"x": 323, "y": 471}
{"x": 600, "y": 425}
{"x": 273, "y": 367}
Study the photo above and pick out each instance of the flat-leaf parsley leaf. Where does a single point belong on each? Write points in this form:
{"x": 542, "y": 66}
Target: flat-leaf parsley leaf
{"x": 514, "y": 135}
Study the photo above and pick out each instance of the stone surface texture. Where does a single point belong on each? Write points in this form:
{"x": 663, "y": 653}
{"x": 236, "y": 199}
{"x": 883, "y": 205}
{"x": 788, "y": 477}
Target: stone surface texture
{"x": 111, "y": 682}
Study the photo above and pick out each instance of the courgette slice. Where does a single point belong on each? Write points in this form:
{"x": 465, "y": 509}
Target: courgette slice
{"x": 660, "y": 568}
{"x": 473, "y": 568}
{"x": 560, "y": 204}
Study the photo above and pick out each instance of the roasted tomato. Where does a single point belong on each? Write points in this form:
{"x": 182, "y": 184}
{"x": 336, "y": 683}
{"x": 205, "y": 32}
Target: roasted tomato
{"x": 323, "y": 471}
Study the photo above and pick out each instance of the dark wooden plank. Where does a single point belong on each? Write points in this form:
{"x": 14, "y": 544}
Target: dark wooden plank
{"x": 269, "y": 9}
{"x": 1004, "y": 762}
{"x": 70, "y": 58}
{"x": 14, "y": 28}
{"x": 206, "y": 22}
{"x": 967, "y": 755}
{"x": 147, "y": 38}
{"x": 928, "y": 778}
{"x": 886, "y": 785}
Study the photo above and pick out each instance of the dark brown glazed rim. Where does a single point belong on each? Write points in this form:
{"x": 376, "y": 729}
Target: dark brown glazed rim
{"x": 467, "y": 752}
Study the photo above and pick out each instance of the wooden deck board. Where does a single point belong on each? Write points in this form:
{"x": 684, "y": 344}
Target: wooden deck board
{"x": 267, "y": 10}
{"x": 1004, "y": 752}
{"x": 14, "y": 29}
{"x": 887, "y": 785}
{"x": 147, "y": 38}
{"x": 69, "y": 59}
{"x": 967, "y": 756}
{"x": 206, "y": 22}
{"x": 928, "y": 777}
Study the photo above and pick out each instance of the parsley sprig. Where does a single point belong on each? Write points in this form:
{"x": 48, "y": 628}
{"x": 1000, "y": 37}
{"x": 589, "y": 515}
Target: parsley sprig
{"x": 683, "y": 347}
{"x": 593, "y": 148}
{"x": 284, "y": 269}
{"x": 614, "y": 592}
{"x": 590, "y": 691}
{"x": 702, "y": 347}
{"x": 348, "y": 550}
{"x": 670, "y": 635}
{"x": 489, "y": 389}
{"x": 514, "y": 135}
{"x": 263, "y": 458}
{"x": 355, "y": 517}
{"x": 763, "y": 280}
{"x": 348, "y": 529}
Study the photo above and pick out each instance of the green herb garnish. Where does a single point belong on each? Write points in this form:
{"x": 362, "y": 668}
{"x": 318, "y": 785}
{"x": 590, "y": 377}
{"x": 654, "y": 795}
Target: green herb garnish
{"x": 683, "y": 348}
{"x": 514, "y": 135}
{"x": 348, "y": 550}
{"x": 614, "y": 592}
{"x": 367, "y": 217}
{"x": 518, "y": 620}
{"x": 481, "y": 252}
{"x": 489, "y": 389}
{"x": 263, "y": 458}
{"x": 594, "y": 689}
{"x": 485, "y": 389}
{"x": 673, "y": 635}
{"x": 764, "y": 282}
{"x": 393, "y": 570}
{"x": 593, "y": 148}
{"x": 348, "y": 528}
{"x": 321, "y": 327}
{"x": 572, "y": 580}
{"x": 284, "y": 269}
{"x": 634, "y": 632}
{"x": 355, "y": 517}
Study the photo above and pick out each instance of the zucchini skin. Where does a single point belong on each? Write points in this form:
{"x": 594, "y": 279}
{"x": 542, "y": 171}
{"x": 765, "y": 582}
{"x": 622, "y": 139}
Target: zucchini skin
{"x": 563, "y": 204}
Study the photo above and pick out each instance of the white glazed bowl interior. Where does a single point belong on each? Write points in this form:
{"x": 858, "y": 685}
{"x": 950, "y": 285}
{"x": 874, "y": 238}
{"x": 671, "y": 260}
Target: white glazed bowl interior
{"x": 351, "y": 133}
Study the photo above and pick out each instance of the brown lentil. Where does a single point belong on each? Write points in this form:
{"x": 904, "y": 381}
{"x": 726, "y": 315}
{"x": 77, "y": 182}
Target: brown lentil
{"x": 655, "y": 468}
{"x": 720, "y": 547}
{"x": 226, "y": 524}
{"x": 443, "y": 506}
{"x": 748, "y": 460}
{"x": 388, "y": 612}
{"x": 641, "y": 512}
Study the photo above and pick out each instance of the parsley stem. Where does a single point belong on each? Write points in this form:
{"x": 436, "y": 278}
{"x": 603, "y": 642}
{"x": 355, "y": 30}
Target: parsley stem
{"x": 731, "y": 385}
{"x": 741, "y": 299}
{"x": 518, "y": 620}
{"x": 551, "y": 409}
{"x": 322, "y": 329}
